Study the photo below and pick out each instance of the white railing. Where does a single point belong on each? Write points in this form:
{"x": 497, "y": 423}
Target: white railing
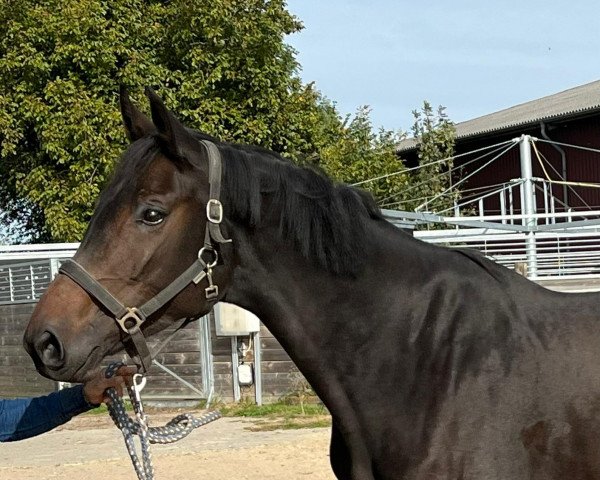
{"x": 26, "y": 270}
{"x": 37, "y": 251}
{"x": 558, "y": 254}
{"x": 24, "y": 282}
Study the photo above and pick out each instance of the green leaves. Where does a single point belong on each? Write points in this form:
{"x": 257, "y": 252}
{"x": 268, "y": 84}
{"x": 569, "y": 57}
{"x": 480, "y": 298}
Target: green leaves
{"x": 358, "y": 154}
{"x": 222, "y": 65}
{"x": 435, "y": 136}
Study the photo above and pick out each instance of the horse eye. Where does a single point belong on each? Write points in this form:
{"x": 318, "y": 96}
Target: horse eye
{"x": 152, "y": 216}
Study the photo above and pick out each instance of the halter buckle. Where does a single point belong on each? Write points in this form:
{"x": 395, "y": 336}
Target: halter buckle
{"x": 130, "y": 320}
{"x": 214, "y": 211}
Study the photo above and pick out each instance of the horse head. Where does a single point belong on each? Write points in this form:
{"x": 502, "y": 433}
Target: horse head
{"x": 147, "y": 229}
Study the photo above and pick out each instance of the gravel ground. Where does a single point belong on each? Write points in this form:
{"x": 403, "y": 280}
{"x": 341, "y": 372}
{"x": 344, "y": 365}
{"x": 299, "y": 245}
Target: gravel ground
{"x": 91, "y": 447}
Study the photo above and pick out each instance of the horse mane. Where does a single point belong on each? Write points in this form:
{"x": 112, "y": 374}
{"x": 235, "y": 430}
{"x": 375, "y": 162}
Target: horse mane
{"x": 327, "y": 221}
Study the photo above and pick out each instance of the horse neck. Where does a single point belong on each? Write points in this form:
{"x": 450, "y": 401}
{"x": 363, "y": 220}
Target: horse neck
{"x": 309, "y": 309}
{"x": 319, "y": 318}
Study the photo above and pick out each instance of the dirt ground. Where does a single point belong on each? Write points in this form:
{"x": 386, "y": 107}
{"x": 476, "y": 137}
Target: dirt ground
{"x": 90, "y": 447}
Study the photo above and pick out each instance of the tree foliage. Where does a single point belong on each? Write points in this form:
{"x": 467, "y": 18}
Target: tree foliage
{"x": 360, "y": 155}
{"x": 431, "y": 188}
{"x": 222, "y": 65}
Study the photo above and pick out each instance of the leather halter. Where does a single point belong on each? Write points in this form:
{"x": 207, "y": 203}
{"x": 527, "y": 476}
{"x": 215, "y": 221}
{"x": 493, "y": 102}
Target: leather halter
{"x": 130, "y": 319}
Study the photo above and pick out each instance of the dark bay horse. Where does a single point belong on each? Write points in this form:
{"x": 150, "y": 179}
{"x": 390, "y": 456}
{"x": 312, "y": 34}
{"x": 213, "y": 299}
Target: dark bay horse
{"x": 434, "y": 363}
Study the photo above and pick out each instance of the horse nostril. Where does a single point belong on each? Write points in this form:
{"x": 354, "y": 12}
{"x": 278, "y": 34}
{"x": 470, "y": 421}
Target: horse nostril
{"x": 50, "y": 350}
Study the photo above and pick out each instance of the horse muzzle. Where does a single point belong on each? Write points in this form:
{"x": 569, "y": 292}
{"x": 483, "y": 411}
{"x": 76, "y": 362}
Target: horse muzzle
{"x": 63, "y": 338}
{"x": 51, "y": 360}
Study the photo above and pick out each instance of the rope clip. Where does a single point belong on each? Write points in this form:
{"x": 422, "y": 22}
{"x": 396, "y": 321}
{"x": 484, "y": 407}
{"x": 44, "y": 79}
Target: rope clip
{"x": 139, "y": 382}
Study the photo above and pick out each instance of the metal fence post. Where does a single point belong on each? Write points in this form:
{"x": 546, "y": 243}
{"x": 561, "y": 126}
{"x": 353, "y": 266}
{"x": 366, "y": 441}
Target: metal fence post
{"x": 54, "y": 265}
{"x": 208, "y": 371}
{"x": 235, "y": 361}
{"x": 257, "y": 368}
{"x": 528, "y": 206}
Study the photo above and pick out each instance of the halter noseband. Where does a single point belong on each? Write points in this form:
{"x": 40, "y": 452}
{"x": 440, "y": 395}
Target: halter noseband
{"x": 130, "y": 319}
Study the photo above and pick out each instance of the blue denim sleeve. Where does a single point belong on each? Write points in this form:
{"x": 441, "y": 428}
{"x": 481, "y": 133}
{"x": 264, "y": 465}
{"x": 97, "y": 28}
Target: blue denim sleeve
{"x": 27, "y": 417}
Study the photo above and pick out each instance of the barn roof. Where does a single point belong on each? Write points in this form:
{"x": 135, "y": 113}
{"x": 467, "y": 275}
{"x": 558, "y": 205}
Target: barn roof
{"x": 562, "y": 105}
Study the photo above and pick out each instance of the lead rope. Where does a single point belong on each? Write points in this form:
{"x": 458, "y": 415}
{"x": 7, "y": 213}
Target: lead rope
{"x": 176, "y": 429}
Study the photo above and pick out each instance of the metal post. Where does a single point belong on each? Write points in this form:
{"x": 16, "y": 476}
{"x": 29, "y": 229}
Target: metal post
{"x": 10, "y": 285}
{"x": 235, "y": 362}
{"x": 552, "y": 205}
{"x": 54, "y": 265}
{"x": 503, "y": 205}
{"x": 546, "y": 201}
{"x": 32, "y": 282}
{"x": 534, "y": 191}
{"x": 257, "y": 368}
{"x": 511, "y": 205}
{"x": 521, "y": 197}
{"x": 208, "y": 372}
{"x": 528, "y": 203}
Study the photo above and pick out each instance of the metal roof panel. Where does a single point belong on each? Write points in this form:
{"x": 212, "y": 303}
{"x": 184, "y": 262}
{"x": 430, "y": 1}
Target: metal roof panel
{"x": 571, "y": 102}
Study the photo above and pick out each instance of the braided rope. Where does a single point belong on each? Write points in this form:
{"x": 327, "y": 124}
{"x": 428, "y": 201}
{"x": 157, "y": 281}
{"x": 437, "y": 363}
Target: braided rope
{"x": 176, "y": 429}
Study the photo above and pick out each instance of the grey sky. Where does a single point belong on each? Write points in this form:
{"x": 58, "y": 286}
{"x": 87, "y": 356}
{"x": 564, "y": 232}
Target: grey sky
{"x": 474, "y": 57}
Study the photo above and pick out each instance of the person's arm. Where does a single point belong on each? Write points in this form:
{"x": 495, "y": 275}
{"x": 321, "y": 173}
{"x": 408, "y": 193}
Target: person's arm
{"x": 27, "y": 417}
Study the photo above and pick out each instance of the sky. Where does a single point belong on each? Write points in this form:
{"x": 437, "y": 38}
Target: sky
{"x": 473, "y": 57}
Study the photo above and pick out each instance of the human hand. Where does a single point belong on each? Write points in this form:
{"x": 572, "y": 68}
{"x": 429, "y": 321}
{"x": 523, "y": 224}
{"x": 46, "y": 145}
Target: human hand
{"x": 94, "y": 389}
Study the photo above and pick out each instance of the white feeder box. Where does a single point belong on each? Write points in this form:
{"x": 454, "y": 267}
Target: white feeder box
{"x": 231, "y": 320}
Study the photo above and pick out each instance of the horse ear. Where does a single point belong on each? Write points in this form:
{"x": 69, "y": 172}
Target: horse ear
{"x": 136, "y": 123}
{"x": 172, "y": 135}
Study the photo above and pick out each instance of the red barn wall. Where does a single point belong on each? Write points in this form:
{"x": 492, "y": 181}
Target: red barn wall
{"x": 582, "y": 166}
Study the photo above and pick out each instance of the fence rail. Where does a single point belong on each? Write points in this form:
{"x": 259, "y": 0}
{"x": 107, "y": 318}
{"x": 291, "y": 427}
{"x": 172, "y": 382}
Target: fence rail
{"x": 24, "y": 282}
{"x": 558, "y": 254}
{"x": 571, "y": 250}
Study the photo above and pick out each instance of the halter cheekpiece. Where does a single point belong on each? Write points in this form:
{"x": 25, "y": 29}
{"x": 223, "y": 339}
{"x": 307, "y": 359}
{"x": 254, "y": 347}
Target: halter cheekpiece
{"x": 130, "y": 319}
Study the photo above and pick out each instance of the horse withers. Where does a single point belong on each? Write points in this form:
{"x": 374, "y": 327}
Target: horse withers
{"x": 434, "y": 363}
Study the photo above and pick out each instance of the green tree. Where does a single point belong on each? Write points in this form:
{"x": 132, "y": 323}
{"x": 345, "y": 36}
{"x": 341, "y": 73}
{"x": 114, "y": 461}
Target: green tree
{"x": 360, "y": 155}
{"x": 432, "y": 185}
{"x": 222, "y": 65}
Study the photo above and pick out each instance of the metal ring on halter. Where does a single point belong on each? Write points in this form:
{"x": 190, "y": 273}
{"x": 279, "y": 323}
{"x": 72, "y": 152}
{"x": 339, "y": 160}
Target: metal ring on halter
{"x": 130, "y": 320}
{"x": 213, "y": 252}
